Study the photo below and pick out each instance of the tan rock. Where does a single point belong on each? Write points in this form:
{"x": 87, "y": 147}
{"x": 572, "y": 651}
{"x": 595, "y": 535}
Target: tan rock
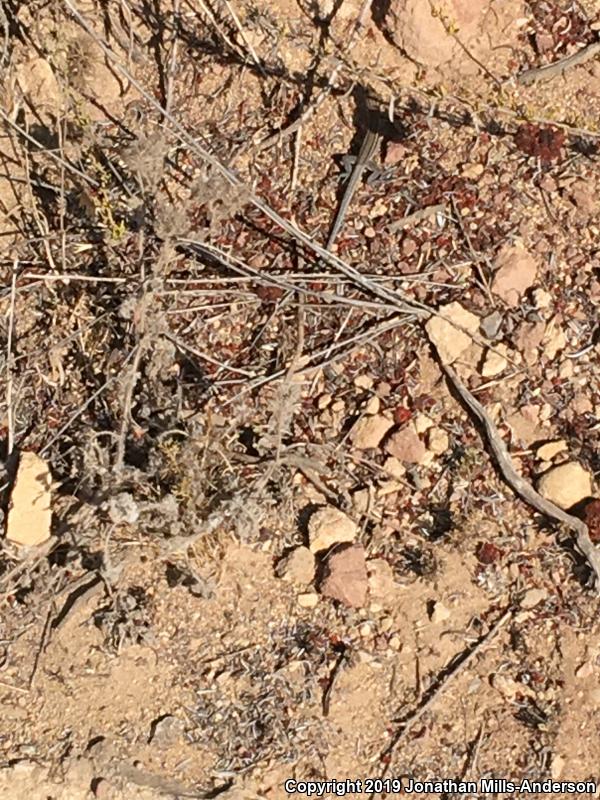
{"x": 516, "y": 271}
{"x": 363, "y": 382}
{"x": 372, "y": 405}
{"x": 394, "y": 467}
{"x": 532, "y": 597}
{"x": 307, "y": 600}
{"x": 368, "y": 432}
{"x": 452, "y": 341}
{"x": 525, "y": 429}
{"x": 584, "y": 670}
{"x": 360, "y": 500}
{"x": 30, "y": 511}
{"x": 542, "y": 299}
{"x": 440, "y": 613}
{"x": 346, "y": 578}
{"x": 329, "y": 526}
{"x": 422, "y": 423}
{"x": 298, "y": 567}
{"x": 406, "y": 446}
{"x": 554, "y": 339}
{"x": 389, "y": 487}
{"x": 547, "y": 451}
{"x": 419, "y": 27}
{"x": 495, "y": 361}
{"x": 566, "y": 369}
{"x": 585, "y": 198}
{"x": 566, "y": 484}
{"x": 472, "y": 171}
{"x": 438, "y": 441}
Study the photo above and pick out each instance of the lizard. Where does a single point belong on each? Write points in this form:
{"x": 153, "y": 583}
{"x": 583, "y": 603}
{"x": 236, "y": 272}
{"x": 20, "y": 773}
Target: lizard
{"x": 368, "y": 148}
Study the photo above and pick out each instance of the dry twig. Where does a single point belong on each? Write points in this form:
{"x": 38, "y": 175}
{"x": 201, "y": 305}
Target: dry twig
{"x": 518, "y": 484}
{"x": 441, "y": 686}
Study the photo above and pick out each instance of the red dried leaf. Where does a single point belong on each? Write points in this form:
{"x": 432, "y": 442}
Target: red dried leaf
{"x": 541, "y": 142}
{"x": 488, "y": 553}
{"x": 269, "y": 294}
{"x": 591, "y": 517}
{"x": 402, "y": 414}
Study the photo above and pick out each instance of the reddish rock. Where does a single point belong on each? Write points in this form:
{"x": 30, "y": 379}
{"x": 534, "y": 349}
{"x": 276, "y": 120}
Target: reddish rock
{"x": 346, "y": 579}
{"x": 406, "y": 446}
{"x": 591, "y": 517}
{"x": 488, "y": 553}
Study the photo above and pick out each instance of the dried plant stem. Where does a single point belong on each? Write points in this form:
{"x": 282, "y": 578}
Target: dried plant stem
{"x": 518, "y": 484}
{"x": 69, "y": 167}
{"x": 245, "y": 39}
{"x": 9, "y": 364}
{"x": 76, "y": 414}
{"x": 139, "y": 352}
{"x": 401, "y": 303}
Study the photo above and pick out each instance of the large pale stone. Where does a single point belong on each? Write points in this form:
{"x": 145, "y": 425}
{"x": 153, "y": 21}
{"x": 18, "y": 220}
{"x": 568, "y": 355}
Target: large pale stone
{"x": 423, "y": 28}
{"x": 516, "y": 271}
{"x": 30, "y": 512}
{"x": 298, "y": 567}
{"x": 566, "y": 484}
{"x": 329, "y": 526}
{"x": 451, "y": 340}
{"x": 368, "y": 431}
{"x": 494, "y": 362}
{"x": 547, "y": 451}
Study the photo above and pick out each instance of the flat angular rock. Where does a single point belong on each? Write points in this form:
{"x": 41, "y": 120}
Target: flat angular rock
{"x": 346, "y": 579}
{"x": 516, "y": 271}
{"x": 406, "y": 446}
{"x": 547, "y": 451}
{"x": 566, "y": 484}
{"x": 438, "y": 441}
{"x": 30, "y": 511}
{"x": 329, "y": 526}
{"x": 368, "y": 432}
{"x": 449, "y": 340}
{"x": 494, "y": 362}
{"x": 298, "y": 567}
{"x": 532, "y": 597}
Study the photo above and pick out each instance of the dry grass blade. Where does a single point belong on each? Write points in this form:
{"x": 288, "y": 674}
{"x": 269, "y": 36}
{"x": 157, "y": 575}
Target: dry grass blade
{"x": 9, "y": 365}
